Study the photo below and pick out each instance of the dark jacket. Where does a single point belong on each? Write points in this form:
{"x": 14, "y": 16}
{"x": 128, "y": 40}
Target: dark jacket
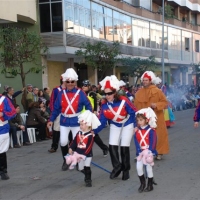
{"x": 16, "y": 121}
{"x": 35, "y": 117}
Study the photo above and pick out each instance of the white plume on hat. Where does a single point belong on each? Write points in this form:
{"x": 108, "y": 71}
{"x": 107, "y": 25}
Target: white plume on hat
{"x": 70, "y": 74}
{"x": 157, "y": 81}
{"x": 122, "y": 83}
{"x": 114, "y": 82}
{"x": 152, "y": 75}
{"x": 150, "y": 115}
{"x": 89, "y": 118}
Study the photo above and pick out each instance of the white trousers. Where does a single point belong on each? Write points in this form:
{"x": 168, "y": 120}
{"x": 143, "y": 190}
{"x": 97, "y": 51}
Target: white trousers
{"x": 64, "y": 133}
{"x": 84, "y": 163}
{"x": 121, "y": 136}
{"x": 139, "y": 167}
{"x": 4, "y": 142}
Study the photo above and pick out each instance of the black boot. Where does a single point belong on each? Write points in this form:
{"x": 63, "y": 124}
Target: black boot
{"x": 88, "y": 181}
{"x": 64, "y": 153}
{"x": 114, "y": 155}
{"x": 143, "y": 183}
{"x": 125, "y": 156}
{"x": 150, "y": 185}
{"x": 3, "y": 167}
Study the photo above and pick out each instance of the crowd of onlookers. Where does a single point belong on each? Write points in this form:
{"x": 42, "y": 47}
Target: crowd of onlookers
{"x": 181, "y": 97}
{"x": 35, "y": 103}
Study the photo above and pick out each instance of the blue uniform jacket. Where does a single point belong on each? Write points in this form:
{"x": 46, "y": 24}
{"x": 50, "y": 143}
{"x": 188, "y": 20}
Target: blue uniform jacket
{"x": 8, "y": 113}
{"x": 130, "y": 109}
{"x": 70, "y": 121}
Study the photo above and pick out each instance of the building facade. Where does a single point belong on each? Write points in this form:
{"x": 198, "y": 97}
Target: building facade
{"x": 136, "y": 24}
{"x": 24, "y": 14}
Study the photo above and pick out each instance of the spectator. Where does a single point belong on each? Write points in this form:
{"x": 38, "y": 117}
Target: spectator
{"x": 41, "y": 96}
{"x": 11, "y": 94}
{"x": 29, "y": 89}
{"x": 16, "y": 124}
{"x": 32, "y": 96}
{"x": 36, "y": 120}
{"x": 47, "y": 93}
{"x": 5, "y": 90}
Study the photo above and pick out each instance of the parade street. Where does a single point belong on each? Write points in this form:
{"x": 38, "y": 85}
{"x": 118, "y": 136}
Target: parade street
{"x": 36, "y": 174}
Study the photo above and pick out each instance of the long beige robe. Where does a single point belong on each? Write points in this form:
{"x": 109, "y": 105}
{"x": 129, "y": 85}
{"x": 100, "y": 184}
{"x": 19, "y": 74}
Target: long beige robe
{"x": 143, "y": 99}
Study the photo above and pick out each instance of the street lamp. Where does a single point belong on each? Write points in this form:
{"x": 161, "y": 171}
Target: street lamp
{"x": 163, "y": 19}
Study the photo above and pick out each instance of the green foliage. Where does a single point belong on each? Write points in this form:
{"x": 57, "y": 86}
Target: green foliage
{"x": 168, "y": 12}
{"x": 135, "y": 67}
{"x": 18, "y": 48}
{"x": 99, "y": 55}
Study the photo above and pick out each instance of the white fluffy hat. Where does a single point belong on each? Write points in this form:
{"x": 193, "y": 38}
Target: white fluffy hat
{"x": 157, "y": 81}
{"x": 89, "y": 118}
{"x": 151, "y": 76}
{"x": 122, "y": 83}
{"x": 70, "y": 74}
{"x": 110, "y": 82}
{"x": 150, "y": 115}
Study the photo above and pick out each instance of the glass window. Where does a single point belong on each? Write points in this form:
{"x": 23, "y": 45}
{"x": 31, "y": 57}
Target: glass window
{"x": 196, "y": 50}
{"x": 174, "y": 43}
{"x": 156, "y": 36}
{"x": 141, "y": 33}
{"x": 42, "y": 1}
{"x": 57, "y": 24}
{"x": 122, "y": 27}
{"x": 98, "y": 21}
{"x": 78, "y": 17}
{"x": 45, "y": 22}
{"x": 186, "y": 46}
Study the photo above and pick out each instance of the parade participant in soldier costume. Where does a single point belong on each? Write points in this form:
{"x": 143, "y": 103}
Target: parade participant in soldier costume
{"x": 69, "y": 103}
{"x": 83, "y": 143}
{"x": 56, "y": 123}
{"x": 145, "y": 139}
{"x": 93, "y": 100}
{"x": 7, "y": 112}
{"x": 120, "y": 113}
{"x": 151, "y": 96}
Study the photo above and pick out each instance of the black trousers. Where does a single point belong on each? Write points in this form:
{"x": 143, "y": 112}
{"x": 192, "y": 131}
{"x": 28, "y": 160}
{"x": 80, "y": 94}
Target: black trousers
{"x": 99, "y": 142}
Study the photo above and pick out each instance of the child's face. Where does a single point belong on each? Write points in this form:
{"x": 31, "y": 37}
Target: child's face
{"x": 141, "y": 121}
{"x": 84, "y": 127}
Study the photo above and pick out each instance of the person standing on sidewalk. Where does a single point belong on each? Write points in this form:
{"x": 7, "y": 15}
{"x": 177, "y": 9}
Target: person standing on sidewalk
{"x": 56, "y": 123}
{"x": 69, "y": 103}
{"x": 120, "y": 113}
{"x": 151, "y": 96}
{"x": 93, "y": 100}
{"x": 7, "y": 112}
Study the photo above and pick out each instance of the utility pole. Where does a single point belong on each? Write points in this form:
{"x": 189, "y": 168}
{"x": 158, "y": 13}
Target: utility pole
{"x": 163, "y": 19}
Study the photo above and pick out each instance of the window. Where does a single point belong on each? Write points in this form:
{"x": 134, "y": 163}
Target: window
{"x": 196, "y": 45}
{"x": 43, "y": 1}
{"x": 56, "y": 10}
{"x": 187, "y": 44}
{"x": 45, "y": 22}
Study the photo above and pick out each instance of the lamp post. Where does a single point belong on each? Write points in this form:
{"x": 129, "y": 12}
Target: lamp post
{"x": 163, "y": 19}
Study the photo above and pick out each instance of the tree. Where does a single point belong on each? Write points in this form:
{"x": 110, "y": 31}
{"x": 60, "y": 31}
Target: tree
{"x": 18, "y": 48}
{"x": 136, "y": 66}
{"x": 100, "y": 55}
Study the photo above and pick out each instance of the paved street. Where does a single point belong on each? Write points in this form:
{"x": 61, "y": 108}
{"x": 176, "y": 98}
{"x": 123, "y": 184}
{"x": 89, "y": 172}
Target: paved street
{"x": 36, "y": 174}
